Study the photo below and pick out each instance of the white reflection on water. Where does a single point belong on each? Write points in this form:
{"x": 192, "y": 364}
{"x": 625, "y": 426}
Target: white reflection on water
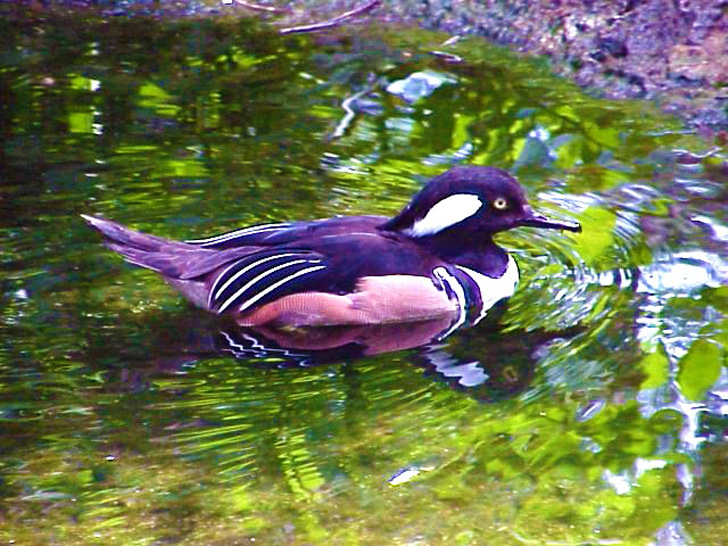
{"x": 719, "y": 231}
{"x": 469, "y": 374}
{"x": 671, "y": 534}
{"x": 683, "y": 273}
{"x": 419, "y": 85}
{"x": 623, "y": 482}
{"x": 679, "y": 274}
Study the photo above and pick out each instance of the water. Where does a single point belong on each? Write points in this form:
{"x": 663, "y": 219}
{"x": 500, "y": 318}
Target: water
{"x": 591, "y": 408}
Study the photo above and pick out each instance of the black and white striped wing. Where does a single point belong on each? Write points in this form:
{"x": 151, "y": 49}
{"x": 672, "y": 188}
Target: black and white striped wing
{"x": 263, "y": 277}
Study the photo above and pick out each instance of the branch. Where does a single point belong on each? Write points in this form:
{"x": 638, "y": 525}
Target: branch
{"x": 447, "y": 57}
{"x": 347, "y": 104}
{"x": 332, "y": 22}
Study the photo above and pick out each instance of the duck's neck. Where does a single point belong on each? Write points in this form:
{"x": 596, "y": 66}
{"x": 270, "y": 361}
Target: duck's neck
{"x": 481, "y": 255}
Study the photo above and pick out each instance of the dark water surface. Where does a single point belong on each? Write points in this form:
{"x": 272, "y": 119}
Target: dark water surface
{"x": 591, "y": 409}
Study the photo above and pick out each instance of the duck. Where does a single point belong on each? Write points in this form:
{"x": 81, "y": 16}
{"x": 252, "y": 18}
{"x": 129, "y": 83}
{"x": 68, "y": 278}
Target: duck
{"x": 435, "y": 260}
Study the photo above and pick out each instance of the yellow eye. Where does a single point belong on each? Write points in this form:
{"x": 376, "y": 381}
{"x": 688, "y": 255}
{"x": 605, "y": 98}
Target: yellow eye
{"x": 500, "y": 204}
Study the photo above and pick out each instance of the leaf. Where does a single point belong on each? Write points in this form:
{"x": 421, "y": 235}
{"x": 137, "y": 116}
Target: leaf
{"x": 597, "y": 236}
{"x": 656, "y": 369}
{"x": 154, "y": 97}
{"x": 699, "y": 369}
{"x": 81, "y": 122}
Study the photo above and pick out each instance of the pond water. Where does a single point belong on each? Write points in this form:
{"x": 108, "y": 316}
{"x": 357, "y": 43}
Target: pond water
{"x": 591, "y": 408}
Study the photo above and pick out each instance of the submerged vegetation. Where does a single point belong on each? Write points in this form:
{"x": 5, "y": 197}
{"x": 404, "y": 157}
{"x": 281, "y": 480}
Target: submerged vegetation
{"x": 589, "y": 409}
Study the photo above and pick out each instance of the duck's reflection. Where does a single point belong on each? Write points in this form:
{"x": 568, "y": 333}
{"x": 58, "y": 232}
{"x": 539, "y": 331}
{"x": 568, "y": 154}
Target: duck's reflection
{"x": 485, "y": 362}
{"x": 310, "y": 346}
{"x": 482, "y": 361}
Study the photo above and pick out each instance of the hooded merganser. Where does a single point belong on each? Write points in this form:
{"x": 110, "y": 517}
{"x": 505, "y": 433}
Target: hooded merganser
{"x": 436, "y": 258}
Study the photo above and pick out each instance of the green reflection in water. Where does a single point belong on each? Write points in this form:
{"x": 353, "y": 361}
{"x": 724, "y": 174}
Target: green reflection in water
{"x": 590, "y": 410}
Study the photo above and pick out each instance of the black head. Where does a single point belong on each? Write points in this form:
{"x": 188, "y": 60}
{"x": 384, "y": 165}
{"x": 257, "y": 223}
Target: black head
{"x": 467, "y": 201}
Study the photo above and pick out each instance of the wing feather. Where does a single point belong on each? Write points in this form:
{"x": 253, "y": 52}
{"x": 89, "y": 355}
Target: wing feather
{"x": 264, "y": 277}
{"x": 285, "y": 233}
{"x": 253, "y": 235}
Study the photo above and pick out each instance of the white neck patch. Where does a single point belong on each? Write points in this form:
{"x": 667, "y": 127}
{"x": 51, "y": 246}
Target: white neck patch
{"x": 446, "y": 213}
{"x": 493, "y": 289}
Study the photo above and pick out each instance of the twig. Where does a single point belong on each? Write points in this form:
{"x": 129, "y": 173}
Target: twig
{"x": 447, "y": 57}
{"x": 259, "y": 7}
{"x": 332, "y": 22}
{"x": 452, "y": 40}
{"x": 343, "y": 125}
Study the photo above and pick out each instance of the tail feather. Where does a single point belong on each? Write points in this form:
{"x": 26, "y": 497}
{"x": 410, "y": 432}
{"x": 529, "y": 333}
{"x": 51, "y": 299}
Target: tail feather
{"x": 172, "y": 259}
{"x": 129, "y": 237}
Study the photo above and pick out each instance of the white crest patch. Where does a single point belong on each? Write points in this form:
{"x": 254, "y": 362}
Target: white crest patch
{"x": 446, "y": 213}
